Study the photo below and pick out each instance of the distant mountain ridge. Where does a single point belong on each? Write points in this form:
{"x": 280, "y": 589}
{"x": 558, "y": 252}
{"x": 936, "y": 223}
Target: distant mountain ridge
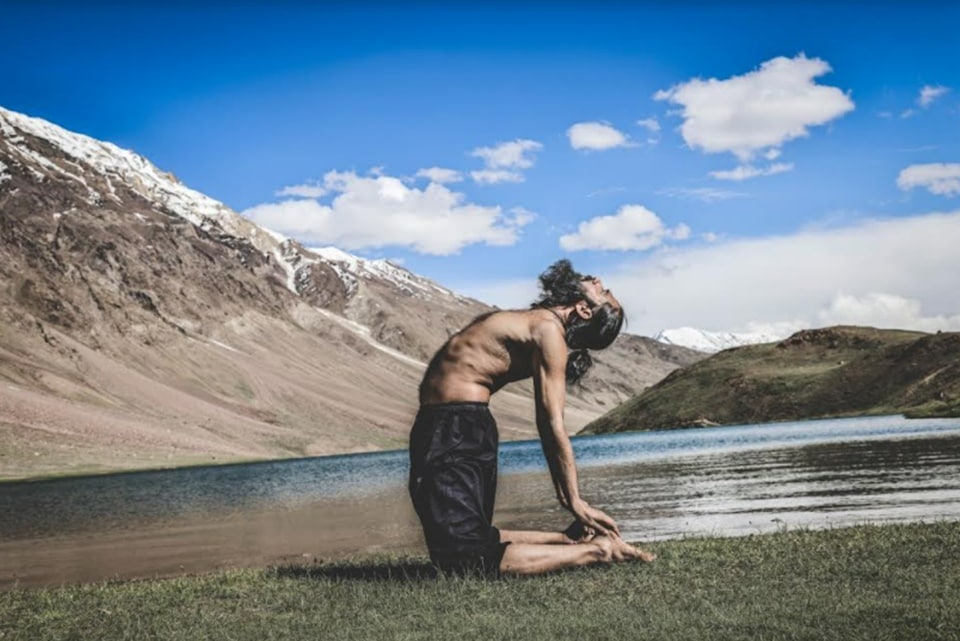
{"x": 712, "y": 342}
{"x": 818, "y": 373}
{"x": 144, "y": 324}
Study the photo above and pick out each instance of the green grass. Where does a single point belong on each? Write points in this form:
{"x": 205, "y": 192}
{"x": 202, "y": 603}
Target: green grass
{"x": 898, "y": 582}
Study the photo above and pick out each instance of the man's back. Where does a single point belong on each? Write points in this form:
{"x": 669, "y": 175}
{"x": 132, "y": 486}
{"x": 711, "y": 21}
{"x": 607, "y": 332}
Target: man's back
{"x": 493, "y": 350}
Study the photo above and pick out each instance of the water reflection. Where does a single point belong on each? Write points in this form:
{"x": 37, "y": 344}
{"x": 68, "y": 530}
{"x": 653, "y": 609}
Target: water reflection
{"x": 724, "y": 481}
{"x": 819, "y": 485}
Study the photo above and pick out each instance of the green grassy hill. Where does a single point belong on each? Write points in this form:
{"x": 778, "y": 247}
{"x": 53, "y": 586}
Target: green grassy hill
{"x": 835, "y": 371}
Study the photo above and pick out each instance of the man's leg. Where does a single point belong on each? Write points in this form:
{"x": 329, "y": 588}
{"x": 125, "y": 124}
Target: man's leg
{"x": 538, "y": 558}
{"x": 575, "y": 533}
{"x": 531, "y": 536}
{"x": 534, "y": 558}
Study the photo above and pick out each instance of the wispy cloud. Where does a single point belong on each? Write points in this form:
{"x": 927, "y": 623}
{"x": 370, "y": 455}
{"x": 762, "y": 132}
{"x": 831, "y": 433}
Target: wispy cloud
{"x": 929, "y": 93}
{"x": 650, "y": 124}
{"x": 703, "y": 194}
{"x": 503, "y": 161}
{"x": 306, "y": 190}
{"x": 920, "y": 148}
{"x": 743, "y": 172}
{"x": 495, "y": 176}
{"x": 942, "y": 179}
{"x": 606, "y": 191}
{"x": 927, "y": 96}
{"x": 440, "y": 175}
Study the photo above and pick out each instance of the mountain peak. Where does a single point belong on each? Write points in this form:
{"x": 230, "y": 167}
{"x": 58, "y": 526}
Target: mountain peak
{"x": 710, "y": 342}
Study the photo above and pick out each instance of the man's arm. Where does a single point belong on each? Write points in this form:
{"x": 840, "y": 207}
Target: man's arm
{"x": 549, "y": 374}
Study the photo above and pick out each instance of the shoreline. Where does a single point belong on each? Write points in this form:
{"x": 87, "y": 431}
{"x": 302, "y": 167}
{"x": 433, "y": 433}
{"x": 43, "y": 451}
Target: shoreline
{"x": 71, "y": 475}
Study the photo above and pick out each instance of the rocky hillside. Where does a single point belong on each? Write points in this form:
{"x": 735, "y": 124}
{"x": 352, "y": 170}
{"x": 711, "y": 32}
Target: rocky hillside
{"x": 144, "y": 324}
{"x": 836, "y": 371}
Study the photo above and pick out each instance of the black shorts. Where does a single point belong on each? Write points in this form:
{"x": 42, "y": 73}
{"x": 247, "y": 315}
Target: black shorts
{"x": 453, "y": 484}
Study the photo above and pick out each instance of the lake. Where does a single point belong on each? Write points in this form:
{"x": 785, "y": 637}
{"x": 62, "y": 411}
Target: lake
{"x": 727, "y": 481}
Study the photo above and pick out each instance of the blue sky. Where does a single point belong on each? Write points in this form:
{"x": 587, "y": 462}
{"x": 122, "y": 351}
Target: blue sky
{"x": 732, "y": 167}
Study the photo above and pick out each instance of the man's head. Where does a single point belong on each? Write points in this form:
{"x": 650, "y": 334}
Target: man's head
{"x": 597, "y": 315}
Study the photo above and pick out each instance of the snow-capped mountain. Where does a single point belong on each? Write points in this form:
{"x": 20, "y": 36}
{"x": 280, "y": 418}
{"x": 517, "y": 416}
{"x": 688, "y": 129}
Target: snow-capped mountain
{"x": 711, "y": 342}
{"x": 143, "y": 323}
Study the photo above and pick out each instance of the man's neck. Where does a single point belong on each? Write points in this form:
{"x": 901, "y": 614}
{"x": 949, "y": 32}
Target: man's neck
{"x": 562, "y": 313}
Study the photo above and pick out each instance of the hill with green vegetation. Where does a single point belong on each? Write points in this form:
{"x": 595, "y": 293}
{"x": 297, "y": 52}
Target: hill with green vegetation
{"x": 818, "y": 373}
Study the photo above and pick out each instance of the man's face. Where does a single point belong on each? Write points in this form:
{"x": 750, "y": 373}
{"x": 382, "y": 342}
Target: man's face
{"x": 595, "y": 293}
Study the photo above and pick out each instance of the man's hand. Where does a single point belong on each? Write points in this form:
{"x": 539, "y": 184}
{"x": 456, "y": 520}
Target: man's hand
{"x": 594, "y": 519}
{"x": 578, "y": 533}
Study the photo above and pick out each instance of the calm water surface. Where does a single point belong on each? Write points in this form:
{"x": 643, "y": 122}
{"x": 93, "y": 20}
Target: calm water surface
{"x": 717, "y": 481}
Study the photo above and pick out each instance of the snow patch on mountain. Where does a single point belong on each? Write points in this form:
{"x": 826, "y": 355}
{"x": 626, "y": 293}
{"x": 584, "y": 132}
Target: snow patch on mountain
{"x": 350, "y": 268}
{"x": 122, "y": 166}
{"x": 711, "y": 342}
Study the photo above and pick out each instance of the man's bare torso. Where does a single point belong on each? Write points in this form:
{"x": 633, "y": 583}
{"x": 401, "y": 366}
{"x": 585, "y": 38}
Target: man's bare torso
{"x": 493, "y": 350}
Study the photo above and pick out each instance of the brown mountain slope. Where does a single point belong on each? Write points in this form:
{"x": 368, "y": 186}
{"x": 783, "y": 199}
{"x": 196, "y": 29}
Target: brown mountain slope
{"x": 143, "y": 324}
{"x": 836, "y": 371}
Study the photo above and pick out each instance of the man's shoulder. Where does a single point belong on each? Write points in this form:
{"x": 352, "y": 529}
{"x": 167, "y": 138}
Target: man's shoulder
{"x": 518, "y": 323}
{"x": 544, "y": 324}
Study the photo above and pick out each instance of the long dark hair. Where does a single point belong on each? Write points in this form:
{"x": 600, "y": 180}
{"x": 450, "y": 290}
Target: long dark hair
{"x": 561, "y": 285}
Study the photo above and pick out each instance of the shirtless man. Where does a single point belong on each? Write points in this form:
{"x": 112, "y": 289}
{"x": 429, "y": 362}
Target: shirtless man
{"x": 453, "y": 443}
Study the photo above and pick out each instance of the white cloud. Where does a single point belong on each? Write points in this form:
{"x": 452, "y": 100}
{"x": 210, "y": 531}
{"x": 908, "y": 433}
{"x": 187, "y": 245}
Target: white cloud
{"x": 511, "y": 155}
{"x": 596, "y": 136}
{"x": 380, "y": 210}
{"x": 929, "y": 93}
{"x": 743, "y": 172}
{"x": 606, "y": 191}
{"x": 633, "y": 227}
{"x": 650, "y": 124}
{"x": 884, "y": 310}
{"x": 942, "y": 179}
{"x": 307, "y": 190}
{"x": 522, "y": 216}
{"x": 884, "y": 273}
{"x": 495, "y": 176}
{"x": 805, "y": 279}
{"x": 503, "y": 160}
{"x": 440, "y": 175}
{"x": 703, "y": 194}
{"x": 759, "y": 110}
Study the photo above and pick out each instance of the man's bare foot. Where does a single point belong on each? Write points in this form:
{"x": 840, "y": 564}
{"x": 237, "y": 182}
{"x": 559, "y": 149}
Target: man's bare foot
{"x": 623, "y": 551}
